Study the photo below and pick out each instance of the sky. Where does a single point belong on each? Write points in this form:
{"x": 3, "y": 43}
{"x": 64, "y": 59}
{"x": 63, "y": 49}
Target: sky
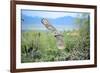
{"x": 31, "y": 19}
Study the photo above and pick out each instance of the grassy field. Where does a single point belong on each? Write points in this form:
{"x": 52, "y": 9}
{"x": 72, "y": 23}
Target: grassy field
{"x": 40, "y": 46}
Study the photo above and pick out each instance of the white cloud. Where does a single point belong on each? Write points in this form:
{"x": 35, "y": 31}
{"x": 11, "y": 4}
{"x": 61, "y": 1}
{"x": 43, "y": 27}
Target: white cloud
{"x": 47, "y": 14}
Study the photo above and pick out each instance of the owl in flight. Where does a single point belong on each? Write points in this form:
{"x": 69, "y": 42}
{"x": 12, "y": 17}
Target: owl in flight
{"x": 56, "y": 33}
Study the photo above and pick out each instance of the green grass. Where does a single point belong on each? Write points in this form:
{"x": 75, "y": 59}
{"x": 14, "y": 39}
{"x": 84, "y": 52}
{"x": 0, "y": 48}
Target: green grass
{"x": 44, "y": 47}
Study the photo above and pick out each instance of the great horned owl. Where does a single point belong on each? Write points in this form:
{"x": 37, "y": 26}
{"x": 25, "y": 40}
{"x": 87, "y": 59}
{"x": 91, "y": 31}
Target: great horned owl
{"x": 57, "y": 34}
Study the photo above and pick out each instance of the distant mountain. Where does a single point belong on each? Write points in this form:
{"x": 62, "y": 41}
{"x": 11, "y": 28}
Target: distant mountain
{"x": 30, "y": 20}
{"x": 37, "y": 20}
{"x": 67, "y": 20}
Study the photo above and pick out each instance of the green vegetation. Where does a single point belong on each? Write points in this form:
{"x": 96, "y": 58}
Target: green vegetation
{"x": 40, "y": 46}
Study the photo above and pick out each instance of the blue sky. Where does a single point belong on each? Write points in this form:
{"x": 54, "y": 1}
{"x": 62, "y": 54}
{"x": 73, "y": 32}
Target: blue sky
{"x": 31, "y": 19}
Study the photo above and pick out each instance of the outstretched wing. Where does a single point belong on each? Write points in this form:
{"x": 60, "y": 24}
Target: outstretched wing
{"x": 46, "y": 23}
{"x": 57, "y": 35}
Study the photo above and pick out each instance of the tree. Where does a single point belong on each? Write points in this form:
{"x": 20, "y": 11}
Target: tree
{"x": 83, "y": 23}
